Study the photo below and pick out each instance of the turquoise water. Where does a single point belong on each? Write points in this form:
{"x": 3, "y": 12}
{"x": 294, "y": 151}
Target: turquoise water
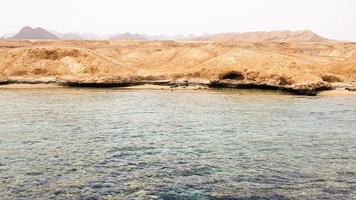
{"x": 153, "y": 144}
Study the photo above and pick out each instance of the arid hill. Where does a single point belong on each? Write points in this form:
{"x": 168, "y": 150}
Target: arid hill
{"x": 37, "y": 33}
{"x": 302, "y": 68}
{"x": 272, "y": 36}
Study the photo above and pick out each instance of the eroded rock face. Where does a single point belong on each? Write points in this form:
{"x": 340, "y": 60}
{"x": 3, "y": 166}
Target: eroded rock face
{"x": 330, "y": 78}
{"x": 303, "y": 68}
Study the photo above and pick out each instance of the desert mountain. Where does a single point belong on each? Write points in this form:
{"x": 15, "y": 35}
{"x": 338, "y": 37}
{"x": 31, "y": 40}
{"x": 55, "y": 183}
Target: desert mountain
{"x": 70, "y": 36}
{"x": 129, "y": 36}
{"x": 263, "y": 36}
{"x": 37, "y": 33}
{"x": 80, "y": 36}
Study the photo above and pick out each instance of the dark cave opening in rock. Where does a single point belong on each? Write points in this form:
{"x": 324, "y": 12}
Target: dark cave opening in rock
{"x": 232, "y": 76}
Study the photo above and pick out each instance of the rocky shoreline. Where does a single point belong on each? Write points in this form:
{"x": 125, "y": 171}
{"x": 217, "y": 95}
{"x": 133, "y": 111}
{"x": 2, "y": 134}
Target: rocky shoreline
{"x": 308, "y": 91}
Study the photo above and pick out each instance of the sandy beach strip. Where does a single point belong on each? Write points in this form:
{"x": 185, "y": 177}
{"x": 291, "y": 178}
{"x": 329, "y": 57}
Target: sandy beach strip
{"x": 30, "y": 86}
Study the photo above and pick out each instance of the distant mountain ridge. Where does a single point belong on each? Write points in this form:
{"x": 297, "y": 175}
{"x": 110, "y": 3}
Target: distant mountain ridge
{"x": 136, "y": 36}
{"x": 70, "y": 36}
{"x": 129, "y": 36}
{"x": 261, "y": 36}
{"x": 264, "y": 36}
{"x": 34, "y": 33}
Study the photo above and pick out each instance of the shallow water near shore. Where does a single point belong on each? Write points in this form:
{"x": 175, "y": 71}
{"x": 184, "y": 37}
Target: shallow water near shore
{"x": 60, "y": 143}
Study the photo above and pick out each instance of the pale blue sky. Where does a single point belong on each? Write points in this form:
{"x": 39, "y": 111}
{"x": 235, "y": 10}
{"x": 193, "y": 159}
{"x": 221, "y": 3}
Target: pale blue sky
{"x": 330, "y": 18}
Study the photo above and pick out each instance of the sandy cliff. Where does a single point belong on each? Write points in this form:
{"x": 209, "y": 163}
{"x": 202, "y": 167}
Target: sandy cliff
{"x": 302, "y": 68}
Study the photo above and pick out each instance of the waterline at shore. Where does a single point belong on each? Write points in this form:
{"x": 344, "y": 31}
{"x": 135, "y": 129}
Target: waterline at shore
{"x": 333, "y": 92}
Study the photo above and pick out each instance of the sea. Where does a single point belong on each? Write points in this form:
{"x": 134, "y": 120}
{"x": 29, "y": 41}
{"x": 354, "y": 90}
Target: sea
{"x": 91, "y": 144}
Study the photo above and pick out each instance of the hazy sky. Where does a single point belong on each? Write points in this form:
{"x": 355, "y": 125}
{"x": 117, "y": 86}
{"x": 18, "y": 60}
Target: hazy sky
{"x": 330, "y": 18}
